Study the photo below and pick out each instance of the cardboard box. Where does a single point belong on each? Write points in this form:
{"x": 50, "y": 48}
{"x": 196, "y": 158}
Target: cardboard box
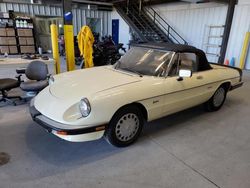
{"x": 31, "y": 49}
{"x": 4, "y": 49}
{"x": 10, "y": 32}
{"x": 11, "y": 40}
{"x": 28, "y": 32}
{"x": 23, "y": 49}
{"x": 3, "y": 41}
{"x": 2, "y": 32}
{"x": 22, "y": 41}
{"x": 30, "y": 41}
{"x": 13, "y": 50}
{"x": 27, "y": 49}
{"x": 21, "y": 32}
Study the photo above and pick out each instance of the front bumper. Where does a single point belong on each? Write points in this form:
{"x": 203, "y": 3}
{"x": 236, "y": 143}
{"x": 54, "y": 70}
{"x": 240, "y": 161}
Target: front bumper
{"x": 65, "y": 131}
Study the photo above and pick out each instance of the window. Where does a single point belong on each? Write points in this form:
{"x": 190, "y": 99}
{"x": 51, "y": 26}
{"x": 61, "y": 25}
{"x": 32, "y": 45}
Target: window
{"x": 145, "y": 61}
{"x": 187, "y": 61}
{"x": 174, "y": 69}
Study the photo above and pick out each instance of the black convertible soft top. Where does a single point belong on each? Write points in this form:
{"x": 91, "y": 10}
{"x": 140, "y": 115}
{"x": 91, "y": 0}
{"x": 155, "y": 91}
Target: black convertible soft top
{"x": 180, "y": 48}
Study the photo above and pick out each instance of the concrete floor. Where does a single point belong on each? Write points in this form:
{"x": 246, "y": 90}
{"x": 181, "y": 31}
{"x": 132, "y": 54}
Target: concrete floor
{"x": 187, "y": 150}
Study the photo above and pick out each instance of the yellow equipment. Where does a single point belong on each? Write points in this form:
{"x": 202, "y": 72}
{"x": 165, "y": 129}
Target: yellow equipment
{"x": 244, "y": 50}
{"x": 55, "y": 48}
{"x": 69, "y": 47}
{"x": 85, "y": 44}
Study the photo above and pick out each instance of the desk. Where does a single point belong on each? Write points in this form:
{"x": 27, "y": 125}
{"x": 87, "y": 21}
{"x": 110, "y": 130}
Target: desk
{"x": 8, "y": 66}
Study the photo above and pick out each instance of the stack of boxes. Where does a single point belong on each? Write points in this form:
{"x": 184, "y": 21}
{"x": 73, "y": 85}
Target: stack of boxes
{"x": 26, "y": 40}
{"x": 8, "y": 43}
{"x": 16, "y": 34}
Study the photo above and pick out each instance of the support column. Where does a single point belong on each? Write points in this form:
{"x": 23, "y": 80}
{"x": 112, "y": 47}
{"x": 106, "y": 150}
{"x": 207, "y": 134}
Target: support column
{"x": 55, "y": 47}
{"x": 69, "y": 34}
{"x": 226, "y": 34}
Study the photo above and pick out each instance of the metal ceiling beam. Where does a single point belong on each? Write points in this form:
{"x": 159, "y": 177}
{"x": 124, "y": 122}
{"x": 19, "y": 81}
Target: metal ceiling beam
{"x": 149, "y": 2}
{"x": 93, "y": 2}
{"x": 153, "y": 2}
{"x": 116, "y": 1}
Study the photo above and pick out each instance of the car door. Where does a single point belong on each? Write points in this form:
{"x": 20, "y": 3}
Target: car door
{"x": 183, "y": 93}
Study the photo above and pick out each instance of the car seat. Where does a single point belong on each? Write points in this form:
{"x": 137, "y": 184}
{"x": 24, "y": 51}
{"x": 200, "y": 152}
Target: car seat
{"x": 37, "y": 73}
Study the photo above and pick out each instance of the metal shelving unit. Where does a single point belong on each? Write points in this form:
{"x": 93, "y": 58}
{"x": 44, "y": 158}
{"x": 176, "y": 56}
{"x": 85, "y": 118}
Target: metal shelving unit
{"x": 8, "y": 40}
{"x": 12, "y": 33}
{"x": 25, "y": 36}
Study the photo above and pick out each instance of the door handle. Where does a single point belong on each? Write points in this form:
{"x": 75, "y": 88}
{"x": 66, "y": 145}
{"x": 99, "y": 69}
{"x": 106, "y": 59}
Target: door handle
{"x": 199, "y": 77}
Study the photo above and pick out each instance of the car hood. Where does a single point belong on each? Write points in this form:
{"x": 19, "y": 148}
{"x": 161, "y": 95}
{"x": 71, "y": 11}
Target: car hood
{"x": 86, "y": 82}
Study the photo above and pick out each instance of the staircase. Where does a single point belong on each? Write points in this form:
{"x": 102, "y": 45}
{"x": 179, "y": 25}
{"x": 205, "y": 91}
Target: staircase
{"x": 148, "y": 25}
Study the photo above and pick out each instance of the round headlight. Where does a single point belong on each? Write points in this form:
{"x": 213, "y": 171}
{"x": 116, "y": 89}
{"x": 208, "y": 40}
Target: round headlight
{"x": 84, "y": 107}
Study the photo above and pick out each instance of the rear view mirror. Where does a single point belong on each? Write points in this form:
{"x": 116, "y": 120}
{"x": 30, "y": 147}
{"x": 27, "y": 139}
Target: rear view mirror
{"x": 185, "y": 73}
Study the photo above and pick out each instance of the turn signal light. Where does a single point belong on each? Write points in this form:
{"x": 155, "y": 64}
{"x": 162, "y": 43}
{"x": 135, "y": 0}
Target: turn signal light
{"x": 61, "y": 132}
{"x": 100, "y": 128}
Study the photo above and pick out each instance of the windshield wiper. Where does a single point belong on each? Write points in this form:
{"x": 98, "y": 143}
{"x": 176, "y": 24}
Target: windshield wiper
{"x": 131, "y": 70}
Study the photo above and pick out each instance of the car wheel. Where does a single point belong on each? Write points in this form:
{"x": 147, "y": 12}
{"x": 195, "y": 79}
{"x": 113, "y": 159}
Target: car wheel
{"x": 217, "y": 100}
{"x": 125, "y": 127}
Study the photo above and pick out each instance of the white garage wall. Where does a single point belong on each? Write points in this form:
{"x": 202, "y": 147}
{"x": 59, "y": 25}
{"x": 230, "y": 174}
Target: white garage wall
{"x": 124, "y": 35}
{"x": 191, "y": 20}
{"x": 241, "y": 25}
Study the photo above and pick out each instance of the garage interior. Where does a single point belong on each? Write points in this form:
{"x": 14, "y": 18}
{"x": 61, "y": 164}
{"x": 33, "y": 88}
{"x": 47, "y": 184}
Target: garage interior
{"x": 191, "y": 148}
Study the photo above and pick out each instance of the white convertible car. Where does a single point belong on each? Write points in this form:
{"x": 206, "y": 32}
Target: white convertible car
{"x": 150, "y": 81}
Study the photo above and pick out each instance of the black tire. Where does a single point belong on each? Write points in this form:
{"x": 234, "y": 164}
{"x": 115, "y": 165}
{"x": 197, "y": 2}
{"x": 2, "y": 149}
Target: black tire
{"x": 211, "y": 105}
{"x": 113, "y": 133}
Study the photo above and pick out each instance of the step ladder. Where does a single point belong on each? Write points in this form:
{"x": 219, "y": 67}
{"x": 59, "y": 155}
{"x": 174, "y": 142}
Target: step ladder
{"x": 212, "y": 42}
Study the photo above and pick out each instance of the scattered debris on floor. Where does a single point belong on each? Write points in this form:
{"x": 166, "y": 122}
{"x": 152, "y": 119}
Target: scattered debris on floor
{"x": 4, "y": 158}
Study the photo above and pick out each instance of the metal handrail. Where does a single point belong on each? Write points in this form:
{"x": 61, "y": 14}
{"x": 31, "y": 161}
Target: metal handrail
{"x": 137, "y": 11}
{"x": 154, "y": 16}
{"x": 147, "y": 26}
{"x": 166, "y": 29}
{"x": 124, "y": 15}
{"x": 135, "y": 18}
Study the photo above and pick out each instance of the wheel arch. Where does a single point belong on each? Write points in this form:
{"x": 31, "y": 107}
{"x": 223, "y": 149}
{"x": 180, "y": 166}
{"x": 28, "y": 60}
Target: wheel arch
{"x": 140, "y": 106}
{"x": 142, "y": 109}
{"x": 227, "y": 85}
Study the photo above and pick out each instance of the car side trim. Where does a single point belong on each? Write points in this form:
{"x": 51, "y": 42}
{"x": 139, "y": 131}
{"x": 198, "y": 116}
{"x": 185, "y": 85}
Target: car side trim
{"x": 190, "y": 88}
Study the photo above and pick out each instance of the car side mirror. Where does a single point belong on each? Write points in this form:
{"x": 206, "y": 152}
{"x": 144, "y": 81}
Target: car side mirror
{"x": 184, "y": 74}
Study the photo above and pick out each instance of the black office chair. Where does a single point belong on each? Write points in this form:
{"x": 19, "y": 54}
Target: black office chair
{"x": 37, "y": 73}
{"x": 7, "y": 84}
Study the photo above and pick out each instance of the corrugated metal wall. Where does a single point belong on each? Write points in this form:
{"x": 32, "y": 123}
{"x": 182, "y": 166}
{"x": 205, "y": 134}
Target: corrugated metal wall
{"x": 32, "y": 9}
{"x": 79, "y": 15}
{"x": 191, "y": 20}
{"x": 241, "y": 25}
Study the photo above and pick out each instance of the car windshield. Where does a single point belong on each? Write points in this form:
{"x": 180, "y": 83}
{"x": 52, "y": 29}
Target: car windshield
{"x": 144, "y": 61}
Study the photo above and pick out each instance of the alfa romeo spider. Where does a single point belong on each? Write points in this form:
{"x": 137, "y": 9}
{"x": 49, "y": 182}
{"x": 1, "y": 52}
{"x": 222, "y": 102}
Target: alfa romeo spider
{"x": 149, "y": 82}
